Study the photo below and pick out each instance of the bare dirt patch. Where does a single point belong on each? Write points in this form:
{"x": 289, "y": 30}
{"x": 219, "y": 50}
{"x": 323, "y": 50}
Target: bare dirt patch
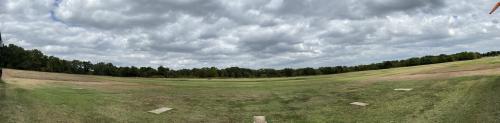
{"x": 460, "y": 68}
{"x": 26, "y": 83}
{"x": 442, "y": 75}
{"x": 30, "y": 79}
{"x": 10, "y": 73}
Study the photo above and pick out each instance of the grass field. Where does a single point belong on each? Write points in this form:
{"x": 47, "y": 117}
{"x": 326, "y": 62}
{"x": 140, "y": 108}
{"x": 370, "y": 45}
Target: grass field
{"x": 451, "y": 92}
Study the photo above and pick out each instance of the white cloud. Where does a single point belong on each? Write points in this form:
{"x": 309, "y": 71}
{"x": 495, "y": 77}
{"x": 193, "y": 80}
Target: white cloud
{"x": 248, "y": 33}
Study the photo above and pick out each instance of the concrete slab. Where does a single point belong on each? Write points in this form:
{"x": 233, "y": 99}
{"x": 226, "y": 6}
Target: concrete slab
{"x": 360, "y": 104}
{"x": 403, "y": 89}
{"x": 160, "y": 110}
{"x": 259, "y": 119}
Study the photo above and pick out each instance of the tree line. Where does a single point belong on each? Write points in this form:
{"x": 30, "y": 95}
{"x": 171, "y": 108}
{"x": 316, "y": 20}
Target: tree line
{"x": 16, "y": 57}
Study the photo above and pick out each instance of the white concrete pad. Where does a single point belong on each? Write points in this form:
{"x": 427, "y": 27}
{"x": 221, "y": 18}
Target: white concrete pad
{"x": 259, "y": 119}
{"x": 359, "y": 104}
{"x": 160, "y": 110}
{"x": 403, "y": 89}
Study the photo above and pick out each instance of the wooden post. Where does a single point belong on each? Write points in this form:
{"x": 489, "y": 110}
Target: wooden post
{"x": 1, "y": 57}
{"x": 259, "y": 119}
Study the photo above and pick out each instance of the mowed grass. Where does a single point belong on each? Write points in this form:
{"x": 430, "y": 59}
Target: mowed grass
{"x": 451, "y": 92}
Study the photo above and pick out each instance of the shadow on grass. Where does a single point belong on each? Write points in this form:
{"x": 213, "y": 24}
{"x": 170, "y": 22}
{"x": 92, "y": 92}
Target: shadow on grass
{"x": 2, "y": 91}
{"x": 3, "y": 97}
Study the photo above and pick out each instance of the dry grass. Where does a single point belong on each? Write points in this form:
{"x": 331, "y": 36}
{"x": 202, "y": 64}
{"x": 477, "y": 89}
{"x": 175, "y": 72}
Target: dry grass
{"x": 9, "y": 73}
{"x": 442, "y": 93}
{"x": 446, "y": 74}
{"x": 31, "y": 80}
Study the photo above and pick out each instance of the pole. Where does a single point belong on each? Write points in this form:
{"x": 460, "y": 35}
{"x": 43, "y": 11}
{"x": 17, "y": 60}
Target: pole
{"x": 1, "y": 57}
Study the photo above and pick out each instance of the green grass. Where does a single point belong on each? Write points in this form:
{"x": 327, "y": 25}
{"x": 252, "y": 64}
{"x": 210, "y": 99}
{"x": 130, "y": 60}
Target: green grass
{"x": 308, "y": 99}
{"x": 3, "y": 117}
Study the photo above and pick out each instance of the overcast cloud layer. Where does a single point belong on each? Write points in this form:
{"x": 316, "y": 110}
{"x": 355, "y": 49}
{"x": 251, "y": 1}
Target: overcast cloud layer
{"x": 249, "y": 33}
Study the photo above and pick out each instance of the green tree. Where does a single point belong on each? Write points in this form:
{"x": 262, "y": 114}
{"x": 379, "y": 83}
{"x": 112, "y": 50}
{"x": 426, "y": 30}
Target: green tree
{"x": 213, "y": 72}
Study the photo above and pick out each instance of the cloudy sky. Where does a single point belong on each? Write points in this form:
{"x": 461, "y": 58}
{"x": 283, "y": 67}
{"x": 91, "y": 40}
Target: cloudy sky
{"x": 249, "y": 33}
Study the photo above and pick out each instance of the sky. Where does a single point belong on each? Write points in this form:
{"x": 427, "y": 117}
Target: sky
{"x": 249, "y": 33}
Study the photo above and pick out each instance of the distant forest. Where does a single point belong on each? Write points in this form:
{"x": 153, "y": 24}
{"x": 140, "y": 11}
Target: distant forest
{"x": 16, "y": 57}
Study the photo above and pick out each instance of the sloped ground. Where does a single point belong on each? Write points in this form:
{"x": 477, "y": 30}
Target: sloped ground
{"x": 451, "y": 92}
